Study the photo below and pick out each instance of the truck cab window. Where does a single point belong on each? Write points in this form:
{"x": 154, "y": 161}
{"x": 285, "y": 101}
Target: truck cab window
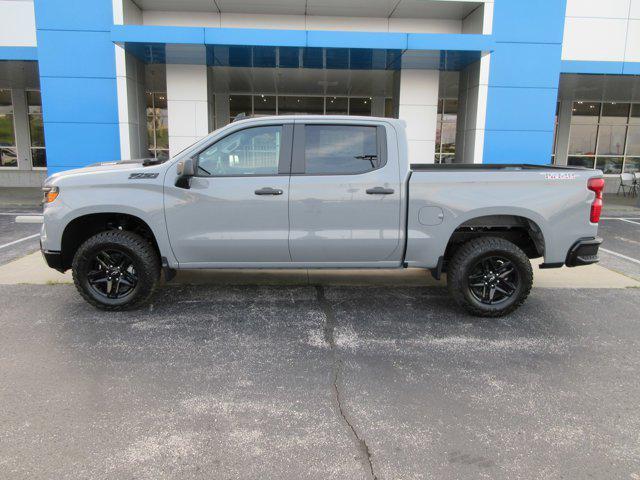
{"x": 340, "y": 149}
{"x": 253, "y": 151}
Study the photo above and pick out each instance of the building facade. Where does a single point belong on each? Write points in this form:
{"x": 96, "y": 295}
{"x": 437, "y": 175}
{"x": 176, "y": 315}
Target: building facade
{"x": 493, "y": 81}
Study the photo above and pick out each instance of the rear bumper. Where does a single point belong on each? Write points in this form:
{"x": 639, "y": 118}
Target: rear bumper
{"x": 583, "y": 252}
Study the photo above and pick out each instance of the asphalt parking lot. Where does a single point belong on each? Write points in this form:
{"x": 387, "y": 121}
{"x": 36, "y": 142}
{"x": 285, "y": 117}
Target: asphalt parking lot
{"x": 321, "y": 381}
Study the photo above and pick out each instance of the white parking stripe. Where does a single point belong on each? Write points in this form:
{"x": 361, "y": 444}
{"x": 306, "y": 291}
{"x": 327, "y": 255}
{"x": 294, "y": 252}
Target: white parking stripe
{"x": 19, "y": 240}
{"x": 634, "y": 260}
{"x": 628, "y": 220}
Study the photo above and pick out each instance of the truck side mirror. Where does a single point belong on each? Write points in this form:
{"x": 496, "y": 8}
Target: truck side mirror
{"x": 186, "y": 170}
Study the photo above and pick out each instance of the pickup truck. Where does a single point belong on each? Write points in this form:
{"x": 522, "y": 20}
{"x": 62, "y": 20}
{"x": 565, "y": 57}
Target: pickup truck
{"x": 317, "y": 192}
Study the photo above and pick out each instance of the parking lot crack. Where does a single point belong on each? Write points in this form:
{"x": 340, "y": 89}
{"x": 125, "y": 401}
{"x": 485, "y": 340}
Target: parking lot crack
{"x": 329, "y": 338}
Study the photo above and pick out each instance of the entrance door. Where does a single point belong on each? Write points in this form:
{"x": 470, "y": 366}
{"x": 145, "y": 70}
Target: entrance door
{"x": 345, "y": 195}
{"x": 236, "y": 209}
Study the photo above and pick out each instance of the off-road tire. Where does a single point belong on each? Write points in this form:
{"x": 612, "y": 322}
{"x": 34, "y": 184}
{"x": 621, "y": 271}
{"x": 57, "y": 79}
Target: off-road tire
{"x": 145, "y": 260}
{"x": 468, "y": 255}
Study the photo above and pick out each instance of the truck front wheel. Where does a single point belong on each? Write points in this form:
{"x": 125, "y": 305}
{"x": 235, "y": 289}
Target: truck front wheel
{"x": 489, "y": 277}
{"x": 116, "y": 270}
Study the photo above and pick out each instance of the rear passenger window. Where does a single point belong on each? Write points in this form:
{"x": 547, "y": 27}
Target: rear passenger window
{"x": 340, "y": 149}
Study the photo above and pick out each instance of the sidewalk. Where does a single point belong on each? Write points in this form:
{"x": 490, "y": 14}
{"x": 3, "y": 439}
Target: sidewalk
{"x": 20, "y": 197}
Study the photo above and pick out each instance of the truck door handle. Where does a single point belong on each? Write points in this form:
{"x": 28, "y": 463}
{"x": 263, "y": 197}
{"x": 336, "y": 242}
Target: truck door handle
{"x": 268, "y": 191}
{"x": 380, "y": 191}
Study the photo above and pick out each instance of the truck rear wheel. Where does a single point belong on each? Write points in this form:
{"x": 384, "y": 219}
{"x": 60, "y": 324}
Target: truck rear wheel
{"x": 116, "y": 270}
{"x": 489, "y": 277}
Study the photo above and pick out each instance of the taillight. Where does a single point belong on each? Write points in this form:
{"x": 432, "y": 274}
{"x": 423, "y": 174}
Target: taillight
{"x": 596, "y": 185}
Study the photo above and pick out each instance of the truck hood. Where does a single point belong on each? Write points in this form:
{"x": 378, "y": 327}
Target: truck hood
{"x": 104, "y": 167}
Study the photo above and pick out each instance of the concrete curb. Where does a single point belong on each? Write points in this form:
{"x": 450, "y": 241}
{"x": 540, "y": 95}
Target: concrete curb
{"x": 32, "y": 269}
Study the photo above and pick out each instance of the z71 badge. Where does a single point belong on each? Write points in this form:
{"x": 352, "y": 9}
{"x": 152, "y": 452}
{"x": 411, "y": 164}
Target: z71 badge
{"x": 142, "y": 176}
{"x": 559, "y": 176}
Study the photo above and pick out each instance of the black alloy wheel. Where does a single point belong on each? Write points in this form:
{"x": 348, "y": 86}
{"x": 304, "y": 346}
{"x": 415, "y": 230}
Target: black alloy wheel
{"x": 112, "y": 274}
{"x": 493, "y": 280}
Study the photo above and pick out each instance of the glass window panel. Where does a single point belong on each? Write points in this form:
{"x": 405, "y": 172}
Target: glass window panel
{"x": 162, "y": 131}
{"x": 7, "y": 135}
{"x": 632, "y": 165}
{"x": 360, "y": 106}
{"x": 148, "y": 97}
{"x": 582, "y": 139}
{"x": 438, "y": 136}
{"x": 450, "y": 112}
{"x": 585, "y": 112}
{"x": 300, "y": 105}
{"x": 614, "y": 113}
{"x": 337, "y": 105}
{"x": 440, "y": 107}
{"x": 388, "y": 108}
{"x": 160, "y": 102}
{"x": 332, "y": 149}
{"x": 6, "y": 107}
{"x": 36, "y": 130}
{"x": 34, "y": 101}
{"x": 611, "y": 139}
{"x": 635, "y": 114}
{"x": 240, "y": 104}
{"x": 587, "y": 162}
{"x": 264, "y": 105}
{"x": 447, "y": 158}
{"x": 609, "y": 165}
{"x": 633, "y": 140}
{"x": 8, "y": 157}
{"x": 151, "y": 137}
{"x": 162, "y": 154}
{"x": 448, "y": 138}
{"x": 38, "y": 157}
{"x": 253, "y": 151}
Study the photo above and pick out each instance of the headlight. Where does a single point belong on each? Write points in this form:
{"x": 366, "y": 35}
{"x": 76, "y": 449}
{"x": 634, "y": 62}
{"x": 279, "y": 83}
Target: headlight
{"x": 50, "y": 194}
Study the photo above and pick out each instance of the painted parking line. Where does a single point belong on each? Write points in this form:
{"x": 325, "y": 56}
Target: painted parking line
{"x": 19, "y": 240}
{"x": 630, "y": 259}
{"x": 15, "y": 214}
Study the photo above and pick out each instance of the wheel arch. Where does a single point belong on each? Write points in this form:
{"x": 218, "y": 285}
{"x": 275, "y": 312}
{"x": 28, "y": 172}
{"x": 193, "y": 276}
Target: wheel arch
{"x": 86, "y": 225}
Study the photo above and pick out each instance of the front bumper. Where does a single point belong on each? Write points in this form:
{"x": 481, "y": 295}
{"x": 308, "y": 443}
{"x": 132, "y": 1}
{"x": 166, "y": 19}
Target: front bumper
{"x": 584, "y": 252}
{"x": 53, "y": 259}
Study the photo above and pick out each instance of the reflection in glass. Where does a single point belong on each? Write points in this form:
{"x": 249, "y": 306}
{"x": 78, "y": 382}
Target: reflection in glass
{"x": 609, "y": 165}
{"x": 337, "y": 105}
{"x": 448, "y": 137}
{"x": 240, "y": 104}
{"x": 635, "y": 114}
{"x": 633, "y": 141}
{"x": 331, "y": 149}
{"x": 614, "y": 113}
{"x": 38, "y": 157}
{"x": 253, "y": 151}
{"x": 36, "y": 130}
{"x": 7, "y": 134}
{"x": 586, "y": 162}
{"x": 585, "y": 112}
{"x": 611, "y": 139}
{"x": 582, "y": 139}
{"x": 264, "y": 105}
{"x": 8, "y": 157}
{"x": 300, "y": 105}
{"x": 632, "y": 165}
{"x": 360, "y": 106}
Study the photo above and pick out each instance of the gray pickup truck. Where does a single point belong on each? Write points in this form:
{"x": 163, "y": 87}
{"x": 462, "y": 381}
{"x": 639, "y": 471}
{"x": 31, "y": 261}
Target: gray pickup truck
{"x": 317, "y": 192}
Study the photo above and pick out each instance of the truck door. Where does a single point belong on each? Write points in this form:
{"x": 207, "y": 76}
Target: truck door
{"x": 235, "y": 210}
{"x": 345, "y": 194}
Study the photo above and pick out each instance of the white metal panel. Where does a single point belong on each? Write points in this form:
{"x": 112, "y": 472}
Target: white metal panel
{"x": 634, "y": 9}
{"x": 275, "y": 7}
{"x": 594, "y": 39}
{"x": 245, "y": 20}
{"x": 352, "y": 8}
{"x": 598, "y": 8}
{"x": 632, "y": 53}
{"x": 18, "y": 27}
{"x": 424, "y": 25}
{"x": 181, "y": 19}
{"x": 354, "y": 24}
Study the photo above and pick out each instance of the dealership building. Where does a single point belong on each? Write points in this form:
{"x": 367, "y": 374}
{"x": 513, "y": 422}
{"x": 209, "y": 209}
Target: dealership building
{"x": 495, "y": 81}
